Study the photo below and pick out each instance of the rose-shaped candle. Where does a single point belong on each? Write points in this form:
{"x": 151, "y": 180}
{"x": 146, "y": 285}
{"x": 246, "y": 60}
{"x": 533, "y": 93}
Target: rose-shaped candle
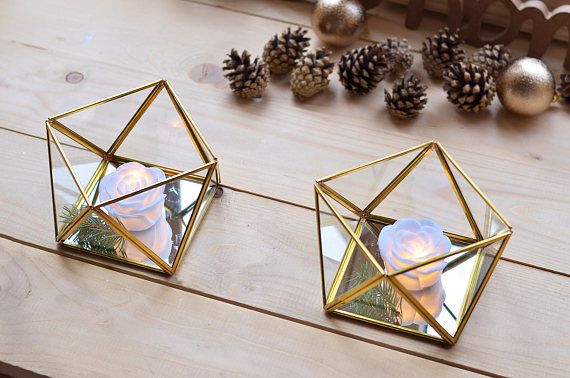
{"x": 138, "y": 212}
{"x": 408, "y": 242}
{"x": 141, "y": 214}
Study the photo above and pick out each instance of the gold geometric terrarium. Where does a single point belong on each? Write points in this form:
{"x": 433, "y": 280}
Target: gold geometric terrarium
{"x": 131, "y": 176}
{"x": 407, "y": 242}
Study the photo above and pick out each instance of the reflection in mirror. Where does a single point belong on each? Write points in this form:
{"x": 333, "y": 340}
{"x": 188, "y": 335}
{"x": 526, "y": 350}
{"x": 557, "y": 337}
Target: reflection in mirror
{"x": 447, "y": 299}
{"x": 157, "y": 217}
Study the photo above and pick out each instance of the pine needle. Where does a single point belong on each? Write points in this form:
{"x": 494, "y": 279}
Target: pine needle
{"x": 95, "y": 235}
{"x": 380, "y": 302}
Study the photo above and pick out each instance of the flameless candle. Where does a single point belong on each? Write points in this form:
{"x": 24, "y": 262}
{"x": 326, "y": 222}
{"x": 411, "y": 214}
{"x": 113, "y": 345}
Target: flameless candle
{"x": 408, "y": 242}
{"x": 138, "y": 212}
{"x": 141, "y": 214}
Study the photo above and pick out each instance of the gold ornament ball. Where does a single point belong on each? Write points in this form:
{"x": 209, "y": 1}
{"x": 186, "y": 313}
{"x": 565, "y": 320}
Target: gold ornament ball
{"x": 338, "y": 22}
{"x": 526, "y": 86}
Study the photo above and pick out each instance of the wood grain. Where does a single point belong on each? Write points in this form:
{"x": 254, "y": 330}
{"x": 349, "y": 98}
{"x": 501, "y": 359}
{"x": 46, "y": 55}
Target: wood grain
{"x": 260, "y": 254}
{"x": 64, "y": 318}
{"x": 511, "y": 160}
{"x": 263, "y": 254}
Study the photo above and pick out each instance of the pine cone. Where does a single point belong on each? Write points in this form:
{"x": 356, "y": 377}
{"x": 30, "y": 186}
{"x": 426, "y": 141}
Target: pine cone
{"x": 469, "y": 87}
{"x": 408, "y": 97}
{"x": 310, "y": 76}
{"x": 492, "y": 57}
{"x": 564, "y": 87}
{"x": 281, "y": 51}
{"x": 246, "y": 79}
{"x": 402, "y": 57}
{"x": 441, "y": 51}
{"x": 361, "y": 69}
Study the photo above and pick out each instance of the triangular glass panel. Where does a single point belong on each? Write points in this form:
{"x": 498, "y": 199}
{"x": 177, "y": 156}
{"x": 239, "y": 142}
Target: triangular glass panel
{"x": 67, "y": 197}
{"x": 362, "y": 186}
{"x": 101, "y": 124}
{"x": 382, "y": 303}
{"x": 334, "y": 243}
{"x": 158, "y": 217}
{"x": 358, "y": 270}
{"x": 87, "y": 165}
{"x": 481, "y": 265}
{"x": 98, "y": 237}
{"x": 446, "y": 287}
{"x": 488, "y": 222}
{"x": 162, "y": 138}
{"x": 426, "y": 193}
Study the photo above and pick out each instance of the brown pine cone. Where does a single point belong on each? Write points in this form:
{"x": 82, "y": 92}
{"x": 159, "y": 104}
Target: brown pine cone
{"x": 281, "y": 51}
{"x": 408, "y": 97}
{"x": 468, "y": 86}
{"x": 401, "y": 55}
{"x": 247, "y": 79}
{"x": 563, "y": 89}
{"x": 310, "y": 76}
{"x": 441, "y": 51}
{"x": 360, "y": 70}
{"x": 492, "y": 57}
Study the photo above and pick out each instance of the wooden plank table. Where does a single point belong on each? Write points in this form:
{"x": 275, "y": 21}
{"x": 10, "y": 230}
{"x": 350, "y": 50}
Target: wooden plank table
{"x": 246, "y": 300}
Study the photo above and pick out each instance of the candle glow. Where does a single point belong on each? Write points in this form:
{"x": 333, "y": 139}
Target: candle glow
{"x": 408, "y": 242}
{"x": 142, "y": 214}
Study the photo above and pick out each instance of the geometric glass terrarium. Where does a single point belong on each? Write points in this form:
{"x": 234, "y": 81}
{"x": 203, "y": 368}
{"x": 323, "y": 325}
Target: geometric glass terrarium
{"x": 407, "y": 242}
{"x": 131, "y": 176}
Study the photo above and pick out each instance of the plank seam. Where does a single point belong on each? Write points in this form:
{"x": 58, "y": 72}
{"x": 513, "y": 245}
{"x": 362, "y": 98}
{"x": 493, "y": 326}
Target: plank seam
{"x": 154, "y": 278}
{"x": 291, "y": 203}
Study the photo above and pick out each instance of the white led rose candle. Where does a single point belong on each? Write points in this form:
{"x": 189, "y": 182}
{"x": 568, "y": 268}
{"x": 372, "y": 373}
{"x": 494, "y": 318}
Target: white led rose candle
{"x": 408, "y": 242}
{"x": 141, "y": 214}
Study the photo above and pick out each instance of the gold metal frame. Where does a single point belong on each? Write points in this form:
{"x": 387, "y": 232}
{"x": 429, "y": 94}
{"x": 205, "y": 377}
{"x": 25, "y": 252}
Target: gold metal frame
{"x": 210, "y": 180}
{"x": 333, "y": 303}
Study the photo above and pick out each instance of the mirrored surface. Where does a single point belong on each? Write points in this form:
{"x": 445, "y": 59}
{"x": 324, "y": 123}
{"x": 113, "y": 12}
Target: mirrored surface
{"x": 156, "y": 217}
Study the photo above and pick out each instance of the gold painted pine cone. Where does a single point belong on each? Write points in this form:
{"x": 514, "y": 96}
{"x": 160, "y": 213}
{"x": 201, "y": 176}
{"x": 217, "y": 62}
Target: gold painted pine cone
{"x": 247, "y": 79}
{"x": 468, "y": 86}
{"x": 408, "y": 97}
{"x": 441, "y": 51}
{"x": 492, "y": 57}
{"x": 310, "y": 76}
{"x": 281, "y": 51}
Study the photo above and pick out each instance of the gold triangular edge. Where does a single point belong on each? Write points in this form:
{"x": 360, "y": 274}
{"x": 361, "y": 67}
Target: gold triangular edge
{"x": 392, "y": 185}
{"x": 193, "y": 222}
{"x": 340, "y": 199}
{"x": 107, "y": 99}
{"x": 66, "y": 162}
{"x": 195, "y": 136}
{"x": 459, "y": 194}
{"x": 75, "y": 223}
{"x": 365, "y": 165}
{"x": 121, "y": 230}
{"x": 77, "y": 138}
{"x": 191, "y": 122}
{"x": 141, "y": 110}
{"x": 390, "y": 325}
{"x": 167, "y": 180}
{"x": 339, "y": 217}
{"x": 474, "y": 186}
{"x": 412, "y": 301}
{"x": 319, "y": 237}
{"x": 477, "y": 295}
{"x": 467, "y": 248}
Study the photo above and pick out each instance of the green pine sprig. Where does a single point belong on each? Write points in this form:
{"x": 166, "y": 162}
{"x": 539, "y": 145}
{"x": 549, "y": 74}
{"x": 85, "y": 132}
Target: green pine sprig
{"x": 95, "y": 235}
{"x": 380, "y": 302}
